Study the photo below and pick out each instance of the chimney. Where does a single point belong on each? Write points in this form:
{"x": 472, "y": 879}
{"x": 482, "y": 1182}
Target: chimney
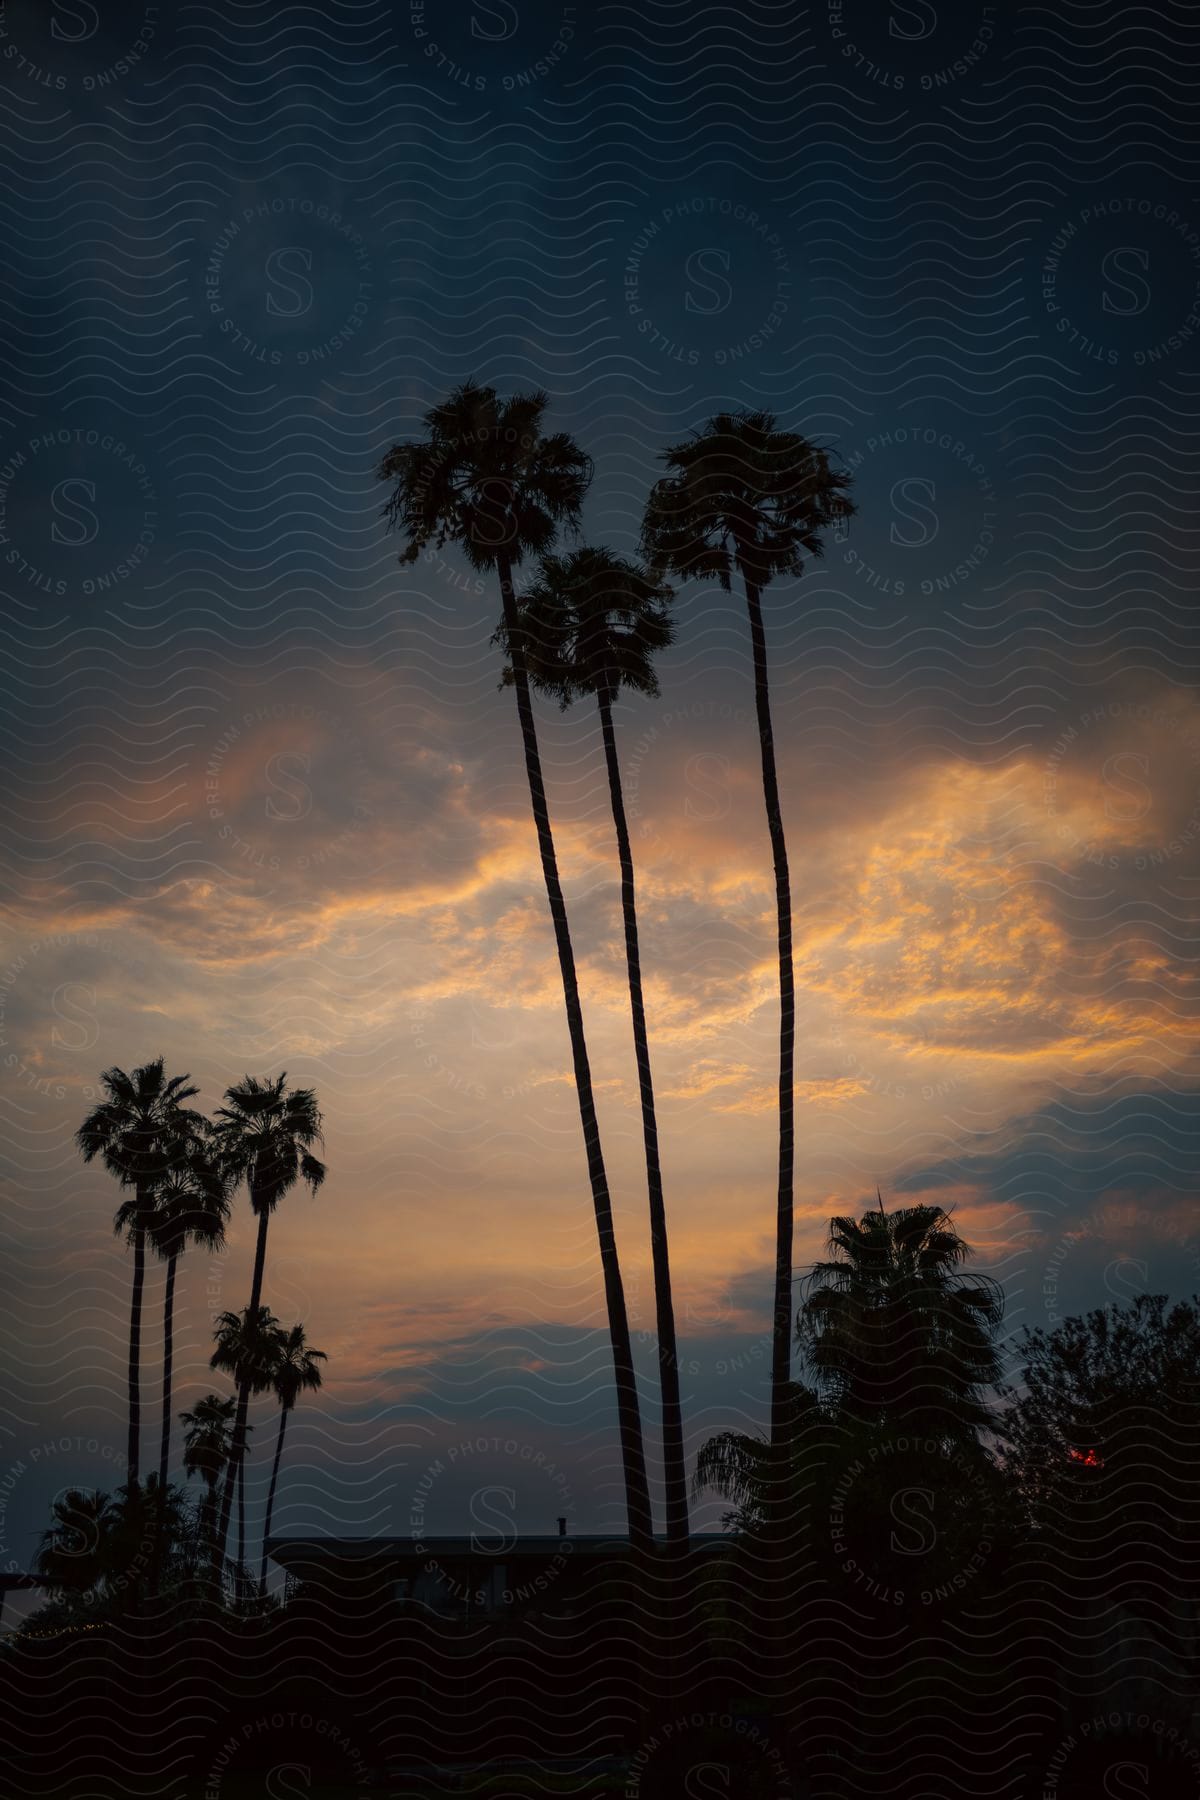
{"x": 562, "y": 1528}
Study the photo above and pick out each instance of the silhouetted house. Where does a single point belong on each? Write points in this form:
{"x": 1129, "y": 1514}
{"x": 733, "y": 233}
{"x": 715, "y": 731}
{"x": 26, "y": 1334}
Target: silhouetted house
{"x": 12, "y": 1583}
{"x": 473, "y": 1576}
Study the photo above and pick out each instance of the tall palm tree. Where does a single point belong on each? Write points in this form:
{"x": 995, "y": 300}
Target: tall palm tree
{"x": 293, "y": 1372}
{"x": 895, "y": 1331}
{"x": 743, "y": 496}
{"x": 265, "y": 1134}
{"x": 137, "y": 1131}
{"x": 487, "y": 477}
{"x": 191, "y": 1206}
{"x": 591, "y": 625}
{"x": 246, "y": 1348}
{"x": 207, "y": 1440}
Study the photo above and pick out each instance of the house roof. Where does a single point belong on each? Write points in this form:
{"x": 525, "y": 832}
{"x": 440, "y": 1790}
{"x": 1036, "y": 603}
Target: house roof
{"x": 294, "y": 1551}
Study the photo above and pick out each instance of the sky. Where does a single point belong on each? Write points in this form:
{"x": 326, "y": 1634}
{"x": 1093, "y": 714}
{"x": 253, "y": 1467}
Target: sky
{"x": 264, "y": 807}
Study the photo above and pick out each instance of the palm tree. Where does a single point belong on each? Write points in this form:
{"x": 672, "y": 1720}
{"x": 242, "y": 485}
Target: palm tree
{"x": 70, "y": 1555}
{"x": 898, "y": 1339}
{"x": 486, "y": 477}
{"x": 743, "y": 495}
{"x": 191, "y": 1206}
{"x": 592, "y": 624}
{"x": 102, "y": 1542}
{"x": 138, "y": 1131}
{"x": 895, "y": 1331}
{"x": 247, "y": 1346}
{"x": 207, "y": 1440}
{"x": 264, "y": 1133}
{"x": 293, "y": 1372}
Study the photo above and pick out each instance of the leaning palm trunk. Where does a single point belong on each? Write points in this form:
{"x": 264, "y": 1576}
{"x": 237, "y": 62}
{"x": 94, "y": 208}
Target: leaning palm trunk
{"x": 135, "y": 1353}
{"x": 238, "y": 1445}
{"x": 637, "y": 1496}
{"x": 262, "y": 1574}
{"x": 674, "y": 1465}
{"x": 781, "y": 1341}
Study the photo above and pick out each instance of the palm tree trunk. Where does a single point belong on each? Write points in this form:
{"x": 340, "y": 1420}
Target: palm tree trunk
{"x": 633, "y": 1454}
{"x": 241, "y": 1506}
{"x": 237, "y": 1449}
{"x": 781, "y": 1341}
{"x": 262, "y": 1578}
{"x": 135, "y": 1352}
{"x": 164, "y": 1448}
{"x": 674, "y": 1465}
{"x": 208, "y": 1518}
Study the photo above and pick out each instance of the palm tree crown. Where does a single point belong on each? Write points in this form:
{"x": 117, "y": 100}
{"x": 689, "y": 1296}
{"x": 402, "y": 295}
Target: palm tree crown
{"x": 191, "y": 1206}
{"x": 485, "y": 477}
{"x": 207, "y": 1436}
{"x": 294, "y": 1370}
{"x": 592, "y": 624}
{"x": 142, "y": 1127}
{"x": 891, "y": 1325}
{"x": 741, "y": 493}
{"x": 247, "y": 1348}
{"x": 265, "y": 1133}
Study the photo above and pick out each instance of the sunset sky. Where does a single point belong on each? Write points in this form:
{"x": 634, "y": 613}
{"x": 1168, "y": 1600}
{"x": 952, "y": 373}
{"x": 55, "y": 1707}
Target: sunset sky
{"x": 264, "y": 803}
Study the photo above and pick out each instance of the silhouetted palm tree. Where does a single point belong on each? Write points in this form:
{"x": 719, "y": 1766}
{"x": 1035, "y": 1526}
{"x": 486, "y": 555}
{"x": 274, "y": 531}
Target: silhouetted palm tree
{"x": 207, "y": 1440}
{"x": 70, "y": 1555}
{"x": 900, "y": 1341}
{"x": 487, "y": 478}
{"x": 191, "y": 1206}
{"x": 264, "y": 1135}
{"x": 109, "y": 1543}
{"x": 592, "y": 624}
{"x": 139, "y": 1131}
{"x": 293, "y": 1372}
{"x": 895, "y": 1332}
{"x": 247, "y": 1346}
{"x": 743, "y": 495}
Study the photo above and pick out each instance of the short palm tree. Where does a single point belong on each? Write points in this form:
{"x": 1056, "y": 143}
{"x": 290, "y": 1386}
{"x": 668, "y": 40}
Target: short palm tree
{"x": 293, "y": 1372}
{"x": 70, "y": 1558}
{"x": 191, "y": 1206}
{"x": 138, "y": 1132}
{"x": 110, "y": 1543}
{"x": 207, "y": 1439}
{"x": 246, "y": 1348}
{"x": 898, "y": 1338}
{"x": 895, "y": 1332}
{"x": 591, "y": 625}
{"x": 742, "y": 496}
{"x": 265, "y": 1135}
{"x": 488, "y": 478}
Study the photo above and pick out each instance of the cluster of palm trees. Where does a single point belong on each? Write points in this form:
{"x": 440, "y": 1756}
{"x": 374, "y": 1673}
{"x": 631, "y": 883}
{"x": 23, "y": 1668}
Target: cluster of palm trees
{"x": 178, "y": 1174}
{"x": 740, "y": 498}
